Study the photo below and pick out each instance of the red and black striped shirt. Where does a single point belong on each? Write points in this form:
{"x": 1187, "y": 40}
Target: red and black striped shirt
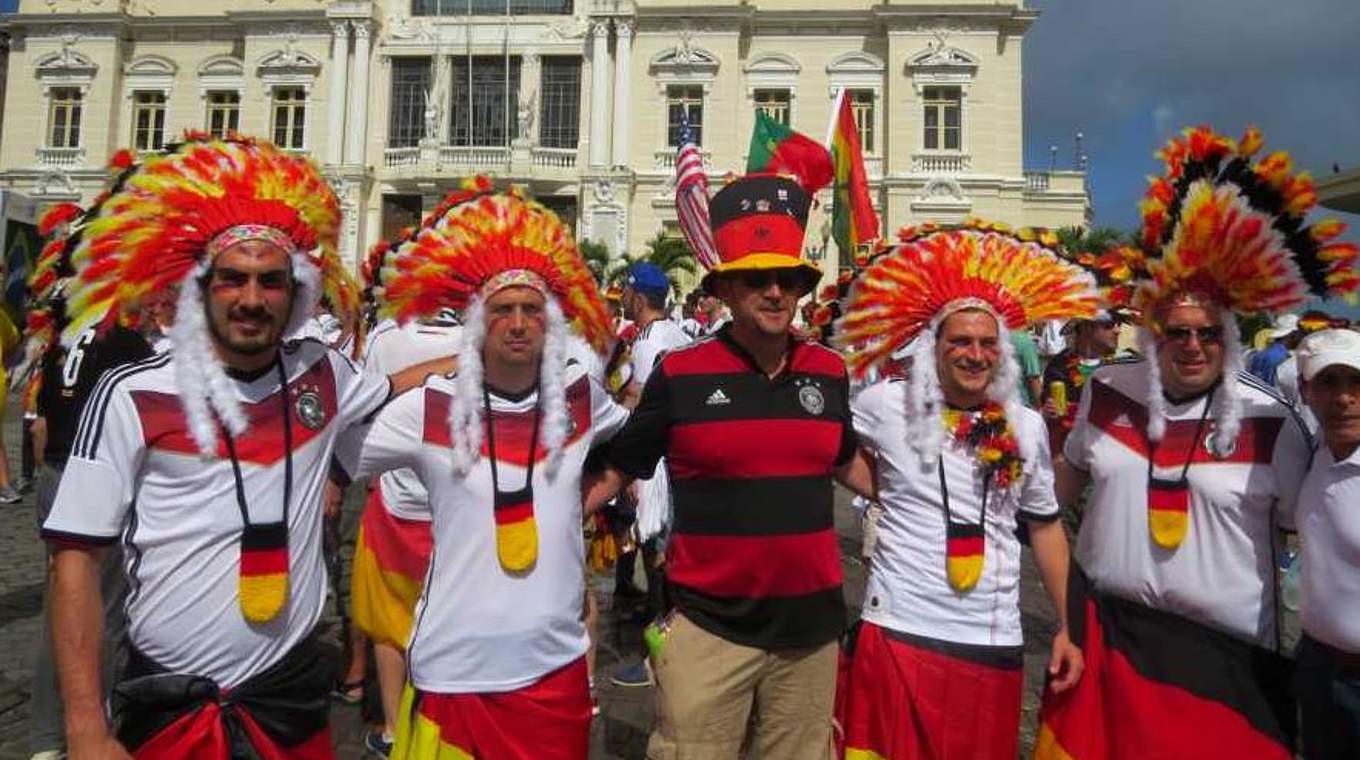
{"x": 753, "y": 556}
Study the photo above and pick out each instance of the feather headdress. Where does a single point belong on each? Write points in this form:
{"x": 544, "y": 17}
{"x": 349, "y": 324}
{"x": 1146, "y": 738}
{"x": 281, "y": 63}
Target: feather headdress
{"x": 167, "y": 220}
{"x": 477, "y": 243}
{"x": 1115, "y": 271}
{"x": 908, "y": 291}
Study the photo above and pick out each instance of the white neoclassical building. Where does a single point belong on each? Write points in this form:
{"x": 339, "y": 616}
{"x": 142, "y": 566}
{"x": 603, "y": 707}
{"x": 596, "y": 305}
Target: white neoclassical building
{"x": 579, "y": 100}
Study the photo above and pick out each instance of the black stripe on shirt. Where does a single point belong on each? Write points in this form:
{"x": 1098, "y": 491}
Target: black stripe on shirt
{"x": 782, "y": 622}
{"x": 91, "y": 427}
{"x": 754, "y": 506}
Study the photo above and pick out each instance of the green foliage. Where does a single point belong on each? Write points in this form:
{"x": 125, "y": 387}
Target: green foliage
{"x": 671, "y": 254}
{"x": 1093, "y": 240}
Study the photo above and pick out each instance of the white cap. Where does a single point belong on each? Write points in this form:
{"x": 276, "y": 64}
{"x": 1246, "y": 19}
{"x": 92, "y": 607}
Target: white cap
{"x": 1324, "y": 348}
{"x": 1284, "y": 325}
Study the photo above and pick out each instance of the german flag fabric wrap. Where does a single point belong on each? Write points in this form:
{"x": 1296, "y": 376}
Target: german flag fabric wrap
{"x": 1159, "y": 685}
{"x": 547, "y": 720}
{"x": 263, "y": 587}
{"x": 516, "y": 530}
{"x": 964, "y": 554}
{"x": 391, "y": 558}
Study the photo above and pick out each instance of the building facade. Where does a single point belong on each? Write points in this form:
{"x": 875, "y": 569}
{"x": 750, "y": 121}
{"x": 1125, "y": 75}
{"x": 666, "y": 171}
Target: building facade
{"x": 577, "y": 100}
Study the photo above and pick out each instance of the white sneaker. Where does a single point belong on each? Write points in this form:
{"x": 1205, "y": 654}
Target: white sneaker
{"x": 10, "y": 496}
{"x": 50, "y": 754}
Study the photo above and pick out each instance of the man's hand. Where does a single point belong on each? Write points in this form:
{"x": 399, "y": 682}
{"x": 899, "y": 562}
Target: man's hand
{"x": 99, "y": 746}
{"x": 1066, "y": 663}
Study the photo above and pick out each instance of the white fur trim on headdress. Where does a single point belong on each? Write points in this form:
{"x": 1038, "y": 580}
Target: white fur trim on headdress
{"x": 203, "y": 385}
{"x": 552, "y": 386}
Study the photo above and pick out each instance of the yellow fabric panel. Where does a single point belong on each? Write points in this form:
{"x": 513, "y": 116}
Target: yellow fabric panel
{"x": 418, "y": 737}
{"x": 517, "y": 545}
{"x": 862, "y": 754}
{"x": 382, "y": 602}
{"x": 1168, "y": 527}
{"x": 1046, "y": 746}
{"x": 263, "y": 596}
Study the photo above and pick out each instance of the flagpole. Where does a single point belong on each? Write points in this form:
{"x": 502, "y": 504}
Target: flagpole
{"x": 835, "y": 114}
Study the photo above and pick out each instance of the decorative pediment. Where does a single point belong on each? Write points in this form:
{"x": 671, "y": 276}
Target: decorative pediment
{"x": 940, "y": 189}
{"x": 66, "y": 63}
{"x": 151, "y": 66}
{"x": 857, "y": 62}
{"x": 685, "y": 61}
{"x": 222, "y": 66}
{"x": 289, "y": 60}
{"x": 943, "y": 57}
{"x": 774, "y": 64}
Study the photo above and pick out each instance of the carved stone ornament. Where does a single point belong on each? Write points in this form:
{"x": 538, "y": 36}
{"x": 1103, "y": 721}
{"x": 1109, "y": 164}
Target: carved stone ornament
{"x": 604, "y": 191}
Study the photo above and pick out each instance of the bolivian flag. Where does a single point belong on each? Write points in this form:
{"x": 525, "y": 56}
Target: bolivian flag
{"x": 854, "y": 221}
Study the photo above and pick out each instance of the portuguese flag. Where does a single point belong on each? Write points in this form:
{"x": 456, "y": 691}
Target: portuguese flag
{"x": 777, "y": 149}
{"x": 854, "y": 221}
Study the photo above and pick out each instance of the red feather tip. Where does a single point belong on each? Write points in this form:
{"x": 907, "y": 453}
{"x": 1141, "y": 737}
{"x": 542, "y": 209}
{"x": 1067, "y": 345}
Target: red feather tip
{"x": 58, "y": 215}
{"x": 123, "y": 159}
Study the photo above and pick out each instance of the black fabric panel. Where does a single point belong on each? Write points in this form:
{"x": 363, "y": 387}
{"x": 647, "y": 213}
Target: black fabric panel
{"x": 1003, "y": 658}
{"x": 771, "y": 623}
{"x": 752, "y": 507}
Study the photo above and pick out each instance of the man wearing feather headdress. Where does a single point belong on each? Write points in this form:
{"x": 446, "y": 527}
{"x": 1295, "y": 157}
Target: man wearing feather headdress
{"x": 1193, "y": 466}
{"x": 936, "y": 669}
{"x": 209, "y": 461}
{"x": 497, "y": 656}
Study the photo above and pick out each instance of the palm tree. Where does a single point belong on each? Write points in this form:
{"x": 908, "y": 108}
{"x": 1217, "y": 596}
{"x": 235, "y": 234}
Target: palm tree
{"x": 672, "y": 255}
{"x": 1093, "y": 240}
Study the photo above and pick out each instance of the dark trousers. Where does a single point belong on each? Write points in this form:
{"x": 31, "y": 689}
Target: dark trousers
{"x": 1327, "y": 683}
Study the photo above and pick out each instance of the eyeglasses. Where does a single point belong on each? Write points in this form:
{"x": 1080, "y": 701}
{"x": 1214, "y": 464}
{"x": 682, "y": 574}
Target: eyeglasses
{"x": 787, "y": 279}
{"x": 1107, "y": 324}
{"x": 1209, "y": 335}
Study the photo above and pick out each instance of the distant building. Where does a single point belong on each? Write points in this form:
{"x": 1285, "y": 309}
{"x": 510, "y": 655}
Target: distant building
{"x": 1340, "y": 191}
{"x": 579, "y": 100}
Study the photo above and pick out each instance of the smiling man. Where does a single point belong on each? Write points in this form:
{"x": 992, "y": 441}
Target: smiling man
{"x": 208, "y": 462}
{"x": 1328, "y": 677}
{"x": 753, "y": 425}
{"x": 936, "y": 669}
{"x": 1194, "y": 466}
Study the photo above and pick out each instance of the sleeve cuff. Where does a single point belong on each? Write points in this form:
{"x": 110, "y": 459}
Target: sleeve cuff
{"x": 66, "y": 540}
{"x": 1038, "y": 518}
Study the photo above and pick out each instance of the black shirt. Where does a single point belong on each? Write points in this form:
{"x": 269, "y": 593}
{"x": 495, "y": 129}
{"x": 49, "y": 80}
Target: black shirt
{"x": 68, "y": 377}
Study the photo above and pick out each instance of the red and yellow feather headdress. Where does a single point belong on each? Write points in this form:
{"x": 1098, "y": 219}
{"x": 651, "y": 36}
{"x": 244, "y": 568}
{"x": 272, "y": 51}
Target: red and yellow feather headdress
{"x": 1219, "y": 227}
{"x": 476, "y": 238}
{"x": 160, "y": 224}
{"x": 934, "y": 271}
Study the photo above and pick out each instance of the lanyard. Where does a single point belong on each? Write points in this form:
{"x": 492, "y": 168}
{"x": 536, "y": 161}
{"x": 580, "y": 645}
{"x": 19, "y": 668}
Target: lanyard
{"x": 491, "y": 447}
{"x": 287, "y": 454}
{"x": 1194, "y": 442}
{"x": 944, "y": 491}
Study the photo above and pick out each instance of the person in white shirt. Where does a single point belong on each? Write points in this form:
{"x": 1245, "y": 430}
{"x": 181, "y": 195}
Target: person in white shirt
{"x": 1327, "y": 679}
{"x": 936, "y": 669}
{"x": 496, "y": 658}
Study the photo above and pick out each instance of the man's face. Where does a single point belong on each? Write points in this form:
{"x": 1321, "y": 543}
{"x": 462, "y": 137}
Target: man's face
{"x": 1334, "y": 396}
{"x": 967, "y": 350}
{"x": 249, "y": 298}
{"x": 1189, "y": 349}
{"x": 763, "y": 298}
{"x": 631, "y": 307}
{"x": 1104, "y": 335}
{"x": 516, "y": 323}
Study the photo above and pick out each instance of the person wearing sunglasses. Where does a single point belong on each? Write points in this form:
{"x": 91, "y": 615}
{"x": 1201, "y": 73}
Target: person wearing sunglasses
{"x": 1194, "y": 466}
{"x": 754, "y": 425}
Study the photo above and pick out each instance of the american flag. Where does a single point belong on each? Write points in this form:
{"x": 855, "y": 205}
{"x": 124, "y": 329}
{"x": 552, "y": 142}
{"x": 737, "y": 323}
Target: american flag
{"x": 691, "y": 198}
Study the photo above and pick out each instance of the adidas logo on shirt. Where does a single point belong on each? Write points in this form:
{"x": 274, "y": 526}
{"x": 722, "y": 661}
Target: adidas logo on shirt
{"x": 717, "y": 398}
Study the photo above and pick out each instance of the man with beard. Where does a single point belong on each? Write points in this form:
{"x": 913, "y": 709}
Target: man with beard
{"x": 936, "y": 669}
{"x": 754, "y": 425}
{"x": 497, "y": 657}
{"x": 1193, "y": 466}
{"x": 208, "y": 461}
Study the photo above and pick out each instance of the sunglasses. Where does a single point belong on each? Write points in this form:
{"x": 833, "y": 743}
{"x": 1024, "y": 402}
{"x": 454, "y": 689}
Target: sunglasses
{"x": 1210, "y": 335}
{"x": 787, "y": 279}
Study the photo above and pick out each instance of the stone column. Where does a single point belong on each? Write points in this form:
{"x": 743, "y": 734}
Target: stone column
{"x": 599, "y": 95}
{"x": 358, "y": 124}
{"x": 335, "y": 106}
{"x": 623, "y": 49}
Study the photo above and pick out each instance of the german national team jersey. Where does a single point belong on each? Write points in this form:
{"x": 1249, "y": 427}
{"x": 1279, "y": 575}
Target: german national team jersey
{"x": 1222, "y": 573}
{"x": 480, "y": 627}
{"x": 658, "y": 338}
{"x": 753, "y": 555}
{"x": 391, "y": 349}
{"x": 136, "y": 472}
{"x": 908, "y": 590}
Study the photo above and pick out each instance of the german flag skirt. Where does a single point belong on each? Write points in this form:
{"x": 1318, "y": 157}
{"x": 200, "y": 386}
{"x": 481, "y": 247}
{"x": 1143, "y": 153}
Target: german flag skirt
{"x": 1158, "y": 685}
{"x": 391, "y": 559}
{"x": 908, "y": 699}
{"x": 548, "y": 720}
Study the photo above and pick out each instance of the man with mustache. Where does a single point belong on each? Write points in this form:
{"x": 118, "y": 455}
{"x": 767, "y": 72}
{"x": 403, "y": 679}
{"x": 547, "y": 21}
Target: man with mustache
{"x": 208, "y": 461}
{"x": 1194, "y": 465}
{"x": 936, "y": 669}
{"x": 1328, "y": 678}
{"x": 753, "y": 424}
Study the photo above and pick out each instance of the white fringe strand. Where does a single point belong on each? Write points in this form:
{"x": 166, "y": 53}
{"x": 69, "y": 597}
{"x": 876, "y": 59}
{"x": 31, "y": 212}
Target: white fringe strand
{"x": 465, "y": 408}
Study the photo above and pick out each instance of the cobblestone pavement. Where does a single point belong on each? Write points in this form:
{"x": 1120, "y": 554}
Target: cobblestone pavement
{"x": 625, "y": 713}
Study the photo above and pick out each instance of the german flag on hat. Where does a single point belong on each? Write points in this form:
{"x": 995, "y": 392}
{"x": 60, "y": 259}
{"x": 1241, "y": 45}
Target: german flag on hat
{"x": 758, "y": 223}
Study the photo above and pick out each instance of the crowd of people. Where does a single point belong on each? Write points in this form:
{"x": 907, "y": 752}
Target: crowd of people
{"x": 209, "y": 379}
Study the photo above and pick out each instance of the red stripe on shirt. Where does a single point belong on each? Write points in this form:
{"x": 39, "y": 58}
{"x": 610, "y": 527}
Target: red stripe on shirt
{"x": 756, "y": 566}
{"x": 513, "y": 429}
{"x": 1125, "y": 420}
{"x": 754, "y": 448}
{"x": 264, "y": 561}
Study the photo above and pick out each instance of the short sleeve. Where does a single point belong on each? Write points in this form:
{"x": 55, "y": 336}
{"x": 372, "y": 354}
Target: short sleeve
{"x": 1077, "y": 447}
{"x": 1038, "y": 502}
{"x": 390, "y": 441}
{"x": 96, "y": 490}
{"x": 607, "y": 417}
{"x": 644, "y": 437}
{"x": 866, "y": 413}
{"x": 1291, "y": 459}
{"x": 361, "y": 391}
{"x": 849, "y": 440}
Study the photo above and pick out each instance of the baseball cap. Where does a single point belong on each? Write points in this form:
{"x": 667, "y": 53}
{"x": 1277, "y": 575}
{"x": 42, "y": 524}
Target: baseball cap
{"x": 1324, "y": 348}
{"x": 646, "y": 277}
{"x": 1285, "y": 324}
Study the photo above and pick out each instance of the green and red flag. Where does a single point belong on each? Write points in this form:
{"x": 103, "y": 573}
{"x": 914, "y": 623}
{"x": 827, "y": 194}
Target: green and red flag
{"x": 854, "y": 221}
{"x": 777, "y": 149}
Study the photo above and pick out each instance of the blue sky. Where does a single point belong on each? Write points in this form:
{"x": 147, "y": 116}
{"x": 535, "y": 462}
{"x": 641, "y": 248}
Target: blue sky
{"x": 8, "y": 6}
{"x": 1129, "y": 74}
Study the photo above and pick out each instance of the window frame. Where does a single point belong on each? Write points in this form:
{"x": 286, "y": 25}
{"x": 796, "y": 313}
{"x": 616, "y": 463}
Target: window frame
{"x": 458, "y": 101}
{"x": 865, "y": 115}
{"x": 231, "y": 112}
{"x": 568, "y": 131}
{"x": 295, "y": 106}
{"x": 153, "y": 104}
{"x": 771, "y": 107}
{"x": 408, "y": 135}
{"x": 938, "y": 101}
{"x": 74, "y": 104}
{"x": 686, "y": 100}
